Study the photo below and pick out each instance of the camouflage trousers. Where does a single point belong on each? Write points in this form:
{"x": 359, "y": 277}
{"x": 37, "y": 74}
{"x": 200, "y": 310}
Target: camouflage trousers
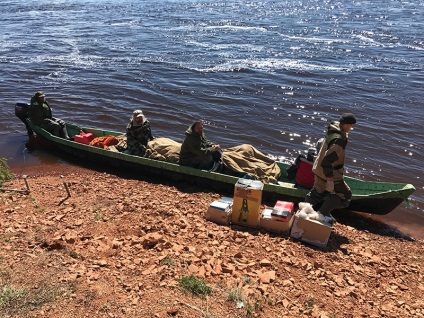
{"x": 55, "y": 126}
{"x": 325, "y": 201}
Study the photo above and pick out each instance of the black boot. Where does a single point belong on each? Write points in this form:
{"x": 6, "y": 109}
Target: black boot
{"x": 315, "y": 198}
{"x": 331, "y": 202}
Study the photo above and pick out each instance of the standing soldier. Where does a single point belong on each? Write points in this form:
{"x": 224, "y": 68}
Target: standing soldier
{"x": 330, "y": 189}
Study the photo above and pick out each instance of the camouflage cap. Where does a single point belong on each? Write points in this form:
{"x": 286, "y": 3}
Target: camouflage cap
{"x": 138, "y": 113}
{"x": 39, "y": 94}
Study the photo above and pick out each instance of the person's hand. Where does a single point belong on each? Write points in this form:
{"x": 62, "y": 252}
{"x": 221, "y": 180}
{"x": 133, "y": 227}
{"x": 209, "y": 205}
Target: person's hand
{"x": 216, "y": 147}
{"x": 329, "y": 186}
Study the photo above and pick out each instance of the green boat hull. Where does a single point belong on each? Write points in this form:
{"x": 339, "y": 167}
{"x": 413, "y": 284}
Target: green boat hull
{"x": 368, "y": 196}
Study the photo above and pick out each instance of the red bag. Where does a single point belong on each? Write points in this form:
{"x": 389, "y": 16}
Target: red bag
{"x": 304, "y": 175}
{"x": 104, "y": 142}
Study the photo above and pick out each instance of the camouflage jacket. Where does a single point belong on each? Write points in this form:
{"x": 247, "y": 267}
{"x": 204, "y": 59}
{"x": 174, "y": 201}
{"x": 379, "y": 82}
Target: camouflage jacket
{"x": 331, "y": 157}
{"x": 138, "y": 137}
{"x": 37, "y": 112}
{"x": 196, "y": 150}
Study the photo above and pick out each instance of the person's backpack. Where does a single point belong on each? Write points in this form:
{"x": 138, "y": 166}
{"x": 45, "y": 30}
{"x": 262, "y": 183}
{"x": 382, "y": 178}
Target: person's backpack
{"x": 301, "y": 170}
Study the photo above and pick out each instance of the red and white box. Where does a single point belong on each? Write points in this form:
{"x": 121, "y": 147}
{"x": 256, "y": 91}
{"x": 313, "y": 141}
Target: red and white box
{"x": 282, "y": 211}
{"x": 271, "y": 224}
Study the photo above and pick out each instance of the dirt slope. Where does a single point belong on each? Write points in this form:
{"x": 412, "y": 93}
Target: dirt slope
{"x": 119, "y": 247}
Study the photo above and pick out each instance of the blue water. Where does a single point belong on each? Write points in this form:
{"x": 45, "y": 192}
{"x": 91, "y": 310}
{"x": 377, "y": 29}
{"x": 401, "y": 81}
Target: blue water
{"x": 268, "y": 73}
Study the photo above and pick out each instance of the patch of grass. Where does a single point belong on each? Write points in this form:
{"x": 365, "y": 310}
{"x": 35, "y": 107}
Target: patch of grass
{"x": 10, "y": 295}
{"x": 43, "y": 295}
{"x": 167, "y": 261}
{"x": 39, "y": 209}
{"x": 5, "y": 173}
{"x": 309, "y": 304}
{"x": 105, "y": 308}
{"x": 194, "y": 285}
{"x": 99, "y": 217}
{"x": 236, "y": 295}
{"x": 246, "y": 279}
{"x": 5, "y": 238}
{"x": 73, "y": 254}
{"x": 18, "y": 301}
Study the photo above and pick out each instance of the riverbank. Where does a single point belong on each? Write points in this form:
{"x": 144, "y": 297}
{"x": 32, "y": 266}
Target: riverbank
{"x": 86, "y": 243}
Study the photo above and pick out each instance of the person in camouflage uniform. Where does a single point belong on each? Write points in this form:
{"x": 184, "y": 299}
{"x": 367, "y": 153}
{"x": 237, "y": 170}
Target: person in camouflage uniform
{"x": 138, "y": 134}
{"x": 196, "y": 150}
{"x": 330, "y": 189}
{"x": 40, "y": 114}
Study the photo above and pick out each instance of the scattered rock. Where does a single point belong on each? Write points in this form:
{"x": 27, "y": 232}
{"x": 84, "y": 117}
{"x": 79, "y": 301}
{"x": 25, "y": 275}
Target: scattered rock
{"x": 119, "y": 253}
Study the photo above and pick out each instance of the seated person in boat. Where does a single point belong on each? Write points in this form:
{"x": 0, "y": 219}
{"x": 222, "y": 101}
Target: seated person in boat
{"x": 196, "y": 150}
{"x": 40, "y": 114}
{"x": 138, "y": 133}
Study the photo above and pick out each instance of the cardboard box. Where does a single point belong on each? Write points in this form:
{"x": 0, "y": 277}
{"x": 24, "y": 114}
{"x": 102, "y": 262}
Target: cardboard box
{"x": 272, "y": 224}
{"x": 283, "y": 210}
{"x": 247, "y": 202}
{"x": 220, "y": 211}
{"x": 311, "y": 231}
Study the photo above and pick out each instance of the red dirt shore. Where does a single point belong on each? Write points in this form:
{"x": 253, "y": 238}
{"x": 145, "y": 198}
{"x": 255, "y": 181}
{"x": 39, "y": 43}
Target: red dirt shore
{"x": 90, "y": 244}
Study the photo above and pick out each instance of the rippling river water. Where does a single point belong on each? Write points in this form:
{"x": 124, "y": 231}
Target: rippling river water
{"x": 268, "y": 73}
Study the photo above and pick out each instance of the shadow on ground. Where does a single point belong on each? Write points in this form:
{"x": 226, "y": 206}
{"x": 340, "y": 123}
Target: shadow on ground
{"x": 363, "y": 222}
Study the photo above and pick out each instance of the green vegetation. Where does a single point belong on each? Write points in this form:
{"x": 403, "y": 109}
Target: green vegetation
{"x": 105, "y": 308}
{"x": 39, "y": 209}
{"x": 236, "y": 295}
{"x": 73, "y": 254}
{"x": 167, "y": 261}
{"x": 194, "y": 285}
{"x": 9, "y": 295}
{"x": 99, "y": 217}
{"x": 309, "y": 304}
{"x": 5, "y": 173}
{"x": 16, "y": 301}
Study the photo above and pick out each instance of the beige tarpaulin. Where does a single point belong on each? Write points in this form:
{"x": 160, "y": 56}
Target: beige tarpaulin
{"x": 163, "y": 149}
{"x": 247, "y": 159}
{"x": 243, "y": 159}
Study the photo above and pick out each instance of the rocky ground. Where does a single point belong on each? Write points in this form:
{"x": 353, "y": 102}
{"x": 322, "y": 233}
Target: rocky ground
{"x": 84, "y": 243}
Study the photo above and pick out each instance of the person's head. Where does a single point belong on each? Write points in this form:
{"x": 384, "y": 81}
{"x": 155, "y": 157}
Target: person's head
{"x": 40, "y": 95}
{"x": 197, "y": 127}
{"x": 347, "y": 122}
{"x": 138, "y": 117}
